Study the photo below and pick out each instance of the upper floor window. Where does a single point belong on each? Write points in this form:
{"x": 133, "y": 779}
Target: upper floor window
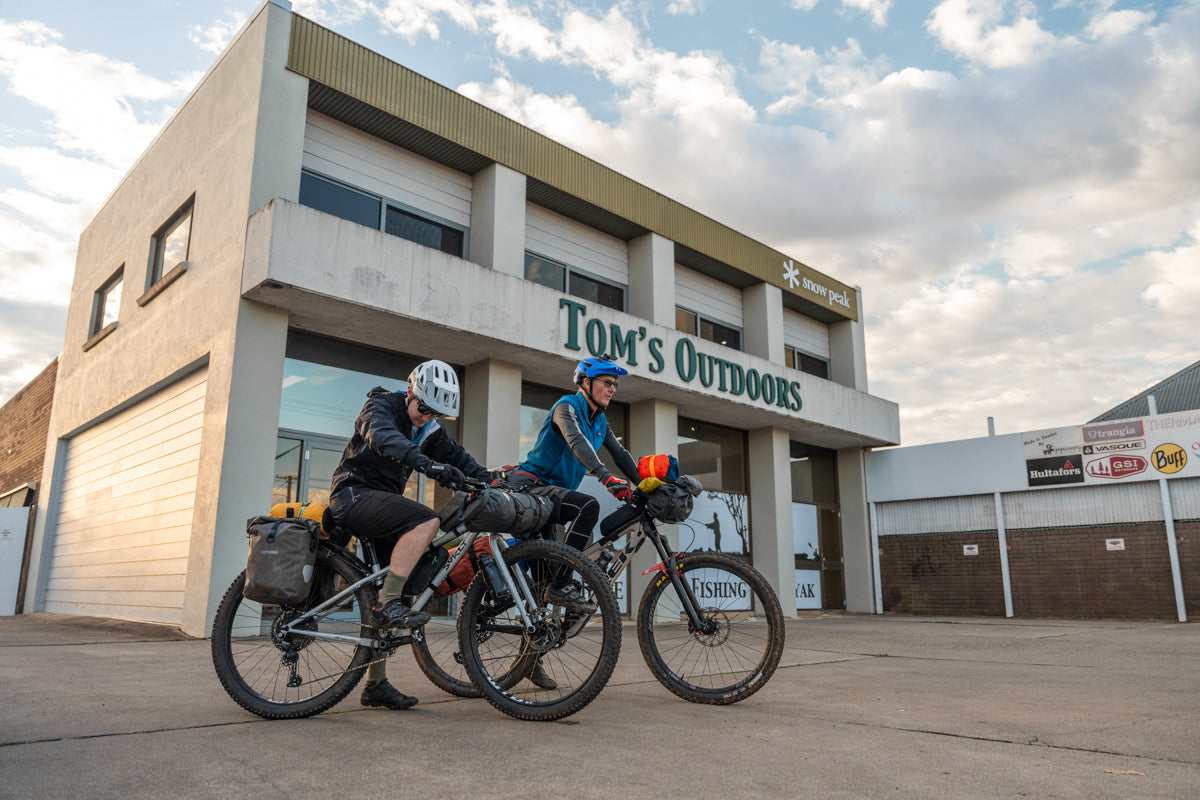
{"x": 693, "y": 323}
{"x": 557, "y": 275}
{"x": 171, "y": 243}
{"x": 813, "y": 365}
{"x": 375, "y": 212}
{"x": 106, "y": 304}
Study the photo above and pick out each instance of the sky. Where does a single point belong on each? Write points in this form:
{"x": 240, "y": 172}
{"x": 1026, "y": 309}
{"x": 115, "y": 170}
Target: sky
{"x": 1014, "y": 185}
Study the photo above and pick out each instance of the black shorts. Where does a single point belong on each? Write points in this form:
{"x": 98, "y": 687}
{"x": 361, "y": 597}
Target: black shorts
{"x": 372, "y": 514}
{"x": 568, "y": 506}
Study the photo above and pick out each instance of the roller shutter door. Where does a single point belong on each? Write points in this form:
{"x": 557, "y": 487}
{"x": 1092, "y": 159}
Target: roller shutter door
{"x": 125, "y": 511}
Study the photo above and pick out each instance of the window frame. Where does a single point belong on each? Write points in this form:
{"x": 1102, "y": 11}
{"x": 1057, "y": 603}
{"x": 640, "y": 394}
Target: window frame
{"x": 404, "y": 208}
{"x": 700, "y": 319}
{"x": 159, "y": 272}
{"x": 568, "y": 271}
{"x": 793, "y": 359}
{"x": 97, "y": 327}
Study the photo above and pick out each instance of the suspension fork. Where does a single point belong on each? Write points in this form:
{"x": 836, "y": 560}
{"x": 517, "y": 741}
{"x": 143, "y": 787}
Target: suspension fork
{"x": 670, "y": 566}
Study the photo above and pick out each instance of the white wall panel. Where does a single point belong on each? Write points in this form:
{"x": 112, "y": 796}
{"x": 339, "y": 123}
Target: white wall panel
{"x": 805, "y": 333}
{"x": 1185, "y": 498}
{"x": 710, "y": 298}
{"x": 576, "y": 245}
{"x": 376, "y": 166}
{"x": 1084, "y": 505}
{"x": 125, "y": 511}
{"x": 938, "y": 515}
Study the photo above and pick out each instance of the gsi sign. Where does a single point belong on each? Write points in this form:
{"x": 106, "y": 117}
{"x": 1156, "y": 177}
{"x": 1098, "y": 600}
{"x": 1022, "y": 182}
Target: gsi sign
{"x": 1117, "y": 467}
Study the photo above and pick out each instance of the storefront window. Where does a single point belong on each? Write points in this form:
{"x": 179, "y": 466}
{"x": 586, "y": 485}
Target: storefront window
{"x": 716, "y": 456}
{"x": 816, "y": 528}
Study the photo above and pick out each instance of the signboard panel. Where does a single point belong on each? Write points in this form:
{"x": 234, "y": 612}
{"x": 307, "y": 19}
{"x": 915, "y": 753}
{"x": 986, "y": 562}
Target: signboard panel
{"x": 1143, "y": 449}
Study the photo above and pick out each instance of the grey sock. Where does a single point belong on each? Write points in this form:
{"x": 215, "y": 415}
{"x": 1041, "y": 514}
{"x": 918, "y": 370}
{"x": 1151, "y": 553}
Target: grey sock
{"x": 377, "y": 672}
{"x": 393, "y": 588}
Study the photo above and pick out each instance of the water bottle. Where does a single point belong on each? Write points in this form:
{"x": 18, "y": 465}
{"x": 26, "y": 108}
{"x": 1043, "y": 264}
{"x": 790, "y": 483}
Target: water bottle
{"x": 491, "y": 574}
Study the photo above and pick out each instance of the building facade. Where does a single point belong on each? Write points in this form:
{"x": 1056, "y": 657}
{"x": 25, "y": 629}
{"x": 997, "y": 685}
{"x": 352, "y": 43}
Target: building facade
{"x": 313, "y": 221}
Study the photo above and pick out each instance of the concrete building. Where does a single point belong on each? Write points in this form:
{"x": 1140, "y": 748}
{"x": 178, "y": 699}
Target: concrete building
{"x": 313, "y": 221}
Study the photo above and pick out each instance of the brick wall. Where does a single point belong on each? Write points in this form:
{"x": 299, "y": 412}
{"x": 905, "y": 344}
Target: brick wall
{"x": 1069, "y": 572}
{"x": 24, "y": 424}
{"x": 928, "y": 574}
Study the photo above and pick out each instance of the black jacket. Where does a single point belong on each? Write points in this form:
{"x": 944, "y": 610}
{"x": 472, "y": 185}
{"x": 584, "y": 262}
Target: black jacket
{"x": 382, "y": 453}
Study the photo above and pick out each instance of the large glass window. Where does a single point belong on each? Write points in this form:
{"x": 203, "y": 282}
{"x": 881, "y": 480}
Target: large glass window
{"x": 341, "y": 201}
{"x": 716, "y": 456}
{"x": 367, "y": 209}
{"x": 564, "y": 278}
{"x": 697, "y": 325}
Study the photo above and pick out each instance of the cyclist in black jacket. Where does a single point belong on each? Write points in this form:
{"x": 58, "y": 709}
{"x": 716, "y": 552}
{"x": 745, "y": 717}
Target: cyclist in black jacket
{"x": 395, "y": 433}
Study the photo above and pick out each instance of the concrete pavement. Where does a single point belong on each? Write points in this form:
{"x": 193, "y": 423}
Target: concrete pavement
{"x": 861, "y": 707}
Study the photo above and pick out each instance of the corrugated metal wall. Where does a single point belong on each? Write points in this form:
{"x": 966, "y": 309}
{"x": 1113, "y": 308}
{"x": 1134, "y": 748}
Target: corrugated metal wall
{"x": 1066, "y": 507}
{"x": 940, "y": 515}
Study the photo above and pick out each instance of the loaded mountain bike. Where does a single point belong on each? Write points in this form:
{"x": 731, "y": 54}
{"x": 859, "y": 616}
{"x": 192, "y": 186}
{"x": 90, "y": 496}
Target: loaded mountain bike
{"x": 709, "y": 625}
{"x": 283, "y": 662}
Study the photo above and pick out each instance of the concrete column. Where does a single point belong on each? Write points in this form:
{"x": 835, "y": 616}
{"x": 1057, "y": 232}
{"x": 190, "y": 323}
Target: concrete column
{"x": 490, "y": 410}
{"x": 653, "y": 428}
{"x": 857, "y": 556}
{"x": 762, "y": 319}
{"x": 770, "y": 483}
{"x": 498, "y": 220}
{"x": 652, "y": 279}
{"x": 848, "y": 352}
{"x": 237, "y": 456}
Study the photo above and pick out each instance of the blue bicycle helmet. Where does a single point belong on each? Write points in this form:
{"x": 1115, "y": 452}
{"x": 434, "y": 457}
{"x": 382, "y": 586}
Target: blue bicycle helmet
{"x": 592, "y": 367}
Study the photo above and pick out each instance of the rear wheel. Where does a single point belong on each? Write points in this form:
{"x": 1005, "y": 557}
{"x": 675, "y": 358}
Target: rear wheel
{"x": 738, "y": 646}
{"x": 282, "y": 674}
{"x": 576, "y": 650}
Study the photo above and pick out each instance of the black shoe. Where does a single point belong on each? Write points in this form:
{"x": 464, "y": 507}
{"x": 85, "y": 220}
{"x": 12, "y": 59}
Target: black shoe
{"x": 540, "y": 679}
{"x": 569, "y": 598}
{"x": 397, "y": 615}
{"x": 388, "y": 696}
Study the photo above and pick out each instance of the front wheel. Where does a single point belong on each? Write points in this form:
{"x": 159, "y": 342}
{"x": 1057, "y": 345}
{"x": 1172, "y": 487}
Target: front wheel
{"x": 737, "y": 647}
{"x": 285, "y": 675}
{"x": 576, "y": 650}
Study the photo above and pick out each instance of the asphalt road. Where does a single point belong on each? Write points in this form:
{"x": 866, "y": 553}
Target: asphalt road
{"x": 862, "y": 707}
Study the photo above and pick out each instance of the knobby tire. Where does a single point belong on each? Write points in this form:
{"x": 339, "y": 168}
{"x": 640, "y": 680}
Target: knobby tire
{"x": 740, "y": 651}
{"x": 255, "y": 667}
{"x": 578, "y": 652}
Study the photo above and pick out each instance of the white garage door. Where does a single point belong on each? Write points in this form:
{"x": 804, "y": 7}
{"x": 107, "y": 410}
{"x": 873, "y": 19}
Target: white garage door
{"x": 125, "y": 518}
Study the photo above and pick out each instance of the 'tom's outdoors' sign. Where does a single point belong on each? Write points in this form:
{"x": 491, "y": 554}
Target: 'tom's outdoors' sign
{"x": 608, "y": 340}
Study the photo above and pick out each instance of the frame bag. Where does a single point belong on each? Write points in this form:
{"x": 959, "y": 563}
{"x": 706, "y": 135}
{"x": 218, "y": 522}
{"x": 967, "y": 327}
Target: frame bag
{"x": 283, "y": 557}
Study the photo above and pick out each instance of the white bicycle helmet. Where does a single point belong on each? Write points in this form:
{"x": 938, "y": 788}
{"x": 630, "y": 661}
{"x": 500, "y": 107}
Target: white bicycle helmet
{"x": 435, "y": 384}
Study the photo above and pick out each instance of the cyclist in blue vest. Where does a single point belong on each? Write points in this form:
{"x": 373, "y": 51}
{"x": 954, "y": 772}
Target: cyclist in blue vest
{"x": 566, "y": 450}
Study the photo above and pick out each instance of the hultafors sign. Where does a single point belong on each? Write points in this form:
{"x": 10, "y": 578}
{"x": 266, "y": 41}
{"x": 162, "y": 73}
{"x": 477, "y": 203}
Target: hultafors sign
{"x": 1054, "y": 470}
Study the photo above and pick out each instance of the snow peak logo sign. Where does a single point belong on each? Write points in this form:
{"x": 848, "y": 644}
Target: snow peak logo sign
{"x": 1055, "y": 470}
{"x": 1116, "y": 467}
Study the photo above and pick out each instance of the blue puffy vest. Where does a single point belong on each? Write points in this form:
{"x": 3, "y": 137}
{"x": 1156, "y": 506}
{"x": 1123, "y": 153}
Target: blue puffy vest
{"x": 551, "y": 460}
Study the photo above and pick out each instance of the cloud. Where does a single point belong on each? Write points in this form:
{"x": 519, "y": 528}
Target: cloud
{"x": 877, "y": 10}
{"x": 975, "y": 30}
{"x": 214, "y": 38}
{"x": 686, "y": 8}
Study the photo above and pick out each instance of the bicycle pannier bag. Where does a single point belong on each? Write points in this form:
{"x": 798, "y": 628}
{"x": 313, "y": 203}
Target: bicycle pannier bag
{"x": 464, "y": 571}
{"x": 497, "y": 511}
{"x": 283, "y": 556}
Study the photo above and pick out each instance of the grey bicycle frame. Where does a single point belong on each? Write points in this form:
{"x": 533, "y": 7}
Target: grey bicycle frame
{"x": 514, "y": 580}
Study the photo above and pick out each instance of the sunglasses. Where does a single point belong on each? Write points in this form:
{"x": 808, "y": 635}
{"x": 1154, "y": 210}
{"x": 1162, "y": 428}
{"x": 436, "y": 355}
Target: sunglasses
{"x": 609, "y": 382}
{"x": 427, "y": 411}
